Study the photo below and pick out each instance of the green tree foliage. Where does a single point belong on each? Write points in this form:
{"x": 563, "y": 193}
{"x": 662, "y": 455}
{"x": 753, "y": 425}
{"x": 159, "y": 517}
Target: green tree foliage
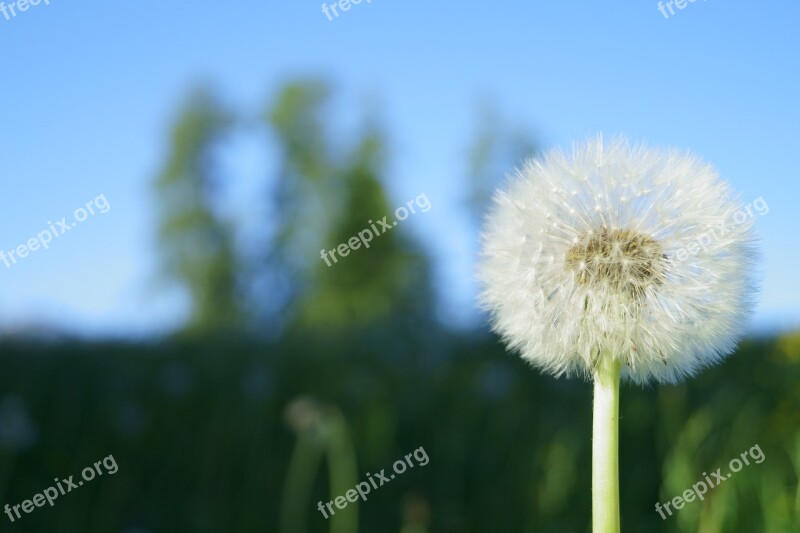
{"x": 387, "y": 280}
{"x": 196, "y": 245}
{"x": 323, "y": 194}
{"x": 301, "y": 200}
{"x": 304, "y": 196}
{"x": 324, "y": 200}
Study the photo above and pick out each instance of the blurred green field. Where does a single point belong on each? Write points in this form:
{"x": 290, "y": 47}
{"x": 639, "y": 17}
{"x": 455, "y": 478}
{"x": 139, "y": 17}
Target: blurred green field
{"x": 199, "y": 431}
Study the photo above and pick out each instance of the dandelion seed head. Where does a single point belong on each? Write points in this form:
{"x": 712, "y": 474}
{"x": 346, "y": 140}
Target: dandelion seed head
{"x": 618, "y": 251}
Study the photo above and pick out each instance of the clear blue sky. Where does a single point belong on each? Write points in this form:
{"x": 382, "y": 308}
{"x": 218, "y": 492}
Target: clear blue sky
{"x": 90, "y": 88}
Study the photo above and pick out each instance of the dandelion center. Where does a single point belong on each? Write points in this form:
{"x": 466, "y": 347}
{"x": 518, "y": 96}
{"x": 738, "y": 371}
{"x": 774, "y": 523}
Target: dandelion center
{"x": 619, "y": 259}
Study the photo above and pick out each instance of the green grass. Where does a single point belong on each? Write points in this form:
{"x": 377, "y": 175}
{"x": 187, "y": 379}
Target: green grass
{"x": 198, "y": 431}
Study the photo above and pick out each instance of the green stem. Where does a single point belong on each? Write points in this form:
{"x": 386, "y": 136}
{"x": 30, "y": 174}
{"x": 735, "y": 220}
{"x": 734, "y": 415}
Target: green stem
{"x": 343, "y": 473}
{"x": 605, "y": 448}
{"x": 303, "y": 468}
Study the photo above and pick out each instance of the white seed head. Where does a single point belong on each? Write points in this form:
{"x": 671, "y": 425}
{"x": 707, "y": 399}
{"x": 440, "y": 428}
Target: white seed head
{"x": 621, "y": 252}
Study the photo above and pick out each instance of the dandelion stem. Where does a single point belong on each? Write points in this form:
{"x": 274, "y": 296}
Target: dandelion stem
{"x": 605, "y": 444}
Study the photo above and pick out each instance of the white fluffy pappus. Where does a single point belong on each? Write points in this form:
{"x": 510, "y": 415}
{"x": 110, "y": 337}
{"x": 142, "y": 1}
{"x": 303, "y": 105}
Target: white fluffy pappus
{"x": 618, "y": 251}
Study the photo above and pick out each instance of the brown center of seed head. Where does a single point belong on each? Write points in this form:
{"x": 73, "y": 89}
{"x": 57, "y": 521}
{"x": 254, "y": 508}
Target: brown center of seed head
{"x": 619, "y": 259}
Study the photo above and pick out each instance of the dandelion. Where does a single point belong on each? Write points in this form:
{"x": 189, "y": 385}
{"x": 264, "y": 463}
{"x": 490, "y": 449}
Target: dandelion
{"x": 617, "y": 262}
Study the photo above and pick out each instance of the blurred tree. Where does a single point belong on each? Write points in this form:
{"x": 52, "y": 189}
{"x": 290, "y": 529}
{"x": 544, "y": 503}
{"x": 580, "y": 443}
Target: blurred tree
{"x": 318, "y": 200}
{"x": 301, "y": 199}
{"x": 386, "y": 279}
{"x": 325, "y": 201}
{"x": 196, "y": 244}
{"x": 496, "y": 149}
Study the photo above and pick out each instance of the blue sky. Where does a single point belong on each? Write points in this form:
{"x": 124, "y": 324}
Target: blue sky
{"x": 90, "y": 89}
